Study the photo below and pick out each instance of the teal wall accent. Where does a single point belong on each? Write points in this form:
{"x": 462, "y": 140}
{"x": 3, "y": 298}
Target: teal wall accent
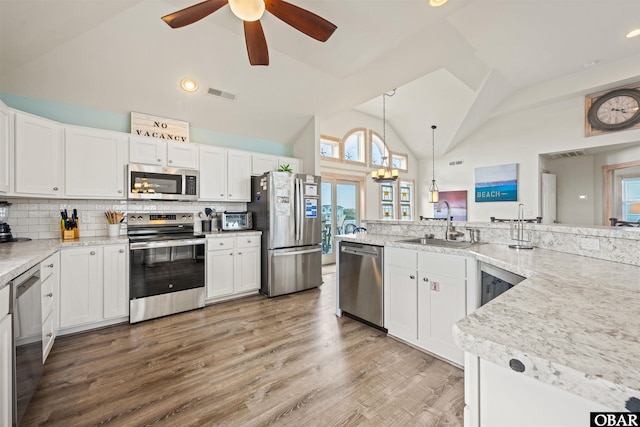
{"x": 101, "y": 119}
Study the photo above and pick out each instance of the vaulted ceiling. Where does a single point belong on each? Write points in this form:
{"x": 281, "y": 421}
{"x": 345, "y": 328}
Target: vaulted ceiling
{"x": 454, "y": 66}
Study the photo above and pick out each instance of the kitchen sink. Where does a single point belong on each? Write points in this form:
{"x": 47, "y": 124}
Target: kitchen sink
{"x": 437, "y": 242}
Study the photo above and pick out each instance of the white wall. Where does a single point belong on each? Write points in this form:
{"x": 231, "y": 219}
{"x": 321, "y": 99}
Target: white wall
{"x": 338, "y": 126}
{"x": 514, "y": 138}
{"x": 575, "y": 177}
{"x": 307, "y": 147}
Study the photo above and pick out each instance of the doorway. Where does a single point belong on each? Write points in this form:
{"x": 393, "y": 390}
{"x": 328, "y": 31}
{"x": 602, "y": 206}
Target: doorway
{"x": 340, "y": 211}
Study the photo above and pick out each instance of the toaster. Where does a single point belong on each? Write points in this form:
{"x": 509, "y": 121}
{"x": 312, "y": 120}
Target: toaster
{"x": 232, "y": 221}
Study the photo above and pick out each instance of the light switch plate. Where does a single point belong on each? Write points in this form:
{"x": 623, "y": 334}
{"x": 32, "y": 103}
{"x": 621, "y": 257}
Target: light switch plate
{"x": 589, "y": 243}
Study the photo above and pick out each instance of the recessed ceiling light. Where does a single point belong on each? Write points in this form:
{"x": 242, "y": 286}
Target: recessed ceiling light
{"x": 189, "y": 85}
{"x": 634, "y": 33}
{"x": 590, "y": 63}
{"x": 436, "y": 3}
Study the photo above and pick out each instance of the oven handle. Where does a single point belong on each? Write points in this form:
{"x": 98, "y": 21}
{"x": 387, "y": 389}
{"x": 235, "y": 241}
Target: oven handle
{"x": 166, "y": 244}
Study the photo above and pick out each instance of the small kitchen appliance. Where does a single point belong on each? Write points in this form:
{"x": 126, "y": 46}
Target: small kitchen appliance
{"x": 161, "y": 183}
{"x": 166, "y": 265}
{"x": 232, "y": 221}
{"x": 5, "y": 229}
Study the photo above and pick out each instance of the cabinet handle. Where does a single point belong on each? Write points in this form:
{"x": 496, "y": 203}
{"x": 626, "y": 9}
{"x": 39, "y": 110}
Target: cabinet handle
{"x": 50, "y": 334}
{"x": 121, "y": 251}
{"x": 92, "y": 253}
{"x": 50, "y": 265}
{"x": 222, "y": 195}
{"x": 231, "y": 253}
{"x": 426, "y": 279}
{"x": 170, "y": 161}
{"x": 412, "y": 277}
{"x": 120, "y": 191}
{"x": 50, "y": 294}
{"x": 221, "y": 244}
{"x": 229, "y": 195}
{"x": 239, "y": 253}
{"x": 159, "y": 161}
{"x": 55, "y": 188}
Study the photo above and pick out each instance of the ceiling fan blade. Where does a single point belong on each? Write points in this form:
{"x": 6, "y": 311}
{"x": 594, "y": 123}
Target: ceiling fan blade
{"x": 256, "y": 43}
{"x": 193, "y": 13}
{"x": 301, "y": 19}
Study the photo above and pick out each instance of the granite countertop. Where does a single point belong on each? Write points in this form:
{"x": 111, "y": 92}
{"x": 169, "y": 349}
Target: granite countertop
{"x": 574, "y": 322}
{"x": 18, "y": 257}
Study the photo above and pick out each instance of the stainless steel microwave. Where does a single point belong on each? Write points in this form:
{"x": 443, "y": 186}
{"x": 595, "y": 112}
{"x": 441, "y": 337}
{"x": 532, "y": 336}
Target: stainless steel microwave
{"x": 161, "y": 183}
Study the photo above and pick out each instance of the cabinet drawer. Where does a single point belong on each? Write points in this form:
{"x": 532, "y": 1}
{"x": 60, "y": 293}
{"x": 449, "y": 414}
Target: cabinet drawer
{"x": 4, "y": 300}
{"x": 448, "y": 265}
{"x": 48, "y": 335}
{"x": 220, "y": 243}
{"x": 48, "y": 297}
{"x": 403, "y": 258}
{"x": 49, "y": 266}
{"x": 247, "y": 241}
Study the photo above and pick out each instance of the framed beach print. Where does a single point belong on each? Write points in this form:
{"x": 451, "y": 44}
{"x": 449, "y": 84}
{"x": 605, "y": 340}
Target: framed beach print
{"x": 497, "y": 183}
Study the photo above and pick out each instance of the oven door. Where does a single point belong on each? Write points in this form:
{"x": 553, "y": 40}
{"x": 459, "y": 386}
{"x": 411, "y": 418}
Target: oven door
{"x": 157, "y": 268}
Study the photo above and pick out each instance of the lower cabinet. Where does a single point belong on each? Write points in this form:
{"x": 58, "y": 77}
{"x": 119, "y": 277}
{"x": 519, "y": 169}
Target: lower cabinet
{"x": 425, "y": 294}
{"x": 50, "y": 277}
{"x": 233, "y": 266}
{"x": 6, "y": 359}
{"x": 93, "y": 284}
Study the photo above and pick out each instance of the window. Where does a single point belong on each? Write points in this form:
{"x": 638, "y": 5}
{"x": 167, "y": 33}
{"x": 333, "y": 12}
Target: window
{"x": 329, "y": 147}
{"x": 630, "y": 196}
{"x": 400, "y": 161}
{"x": 378, "y": 150}
{"x": 407, "y": 199}
{"x": 388, "y": 200}
{"x": 354, "y": 146}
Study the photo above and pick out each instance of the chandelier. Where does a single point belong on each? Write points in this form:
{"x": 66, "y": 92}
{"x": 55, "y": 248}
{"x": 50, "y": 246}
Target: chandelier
{"x": 385, "y": 173}
{"x": 434, "y": 193}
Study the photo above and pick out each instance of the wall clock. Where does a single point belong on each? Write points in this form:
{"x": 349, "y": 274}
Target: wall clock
{"x": 612, "y": 110}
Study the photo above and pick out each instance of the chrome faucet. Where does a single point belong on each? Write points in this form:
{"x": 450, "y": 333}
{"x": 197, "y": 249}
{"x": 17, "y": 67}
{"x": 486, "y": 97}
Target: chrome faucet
{"x": 450, "y": 233}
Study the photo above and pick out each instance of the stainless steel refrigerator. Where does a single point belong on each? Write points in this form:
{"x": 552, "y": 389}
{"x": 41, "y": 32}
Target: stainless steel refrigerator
{"x": 287, "y": 209}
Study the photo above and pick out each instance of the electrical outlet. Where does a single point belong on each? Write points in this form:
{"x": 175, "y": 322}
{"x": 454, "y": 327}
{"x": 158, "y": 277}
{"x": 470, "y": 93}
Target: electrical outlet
{"x": 589, "y": 244}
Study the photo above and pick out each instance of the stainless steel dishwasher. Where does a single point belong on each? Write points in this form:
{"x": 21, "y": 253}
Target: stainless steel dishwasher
{"x": 360, "y": 281}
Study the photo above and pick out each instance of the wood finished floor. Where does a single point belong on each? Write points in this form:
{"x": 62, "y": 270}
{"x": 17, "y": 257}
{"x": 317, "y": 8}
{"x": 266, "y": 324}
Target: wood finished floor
{"x": 286, "y": 361}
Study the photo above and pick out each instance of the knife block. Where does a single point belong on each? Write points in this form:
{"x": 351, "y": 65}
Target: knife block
{"x": 69, "y": 234}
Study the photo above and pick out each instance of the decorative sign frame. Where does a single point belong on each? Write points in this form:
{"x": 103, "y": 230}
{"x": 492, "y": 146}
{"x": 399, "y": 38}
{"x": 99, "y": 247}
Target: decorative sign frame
{"x": 497, "y": 183}
{"x": 159, "y": 127}
{"x": 457, "y": 202}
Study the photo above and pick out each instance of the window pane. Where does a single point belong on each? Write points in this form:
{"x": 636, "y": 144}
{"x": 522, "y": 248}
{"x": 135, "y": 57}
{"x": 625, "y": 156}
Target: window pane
{"x": 399, "y": 161}
{"x": 329, "y": 148}
{"x": 630, "y": 196}
{"x": 377, "y": 150}
{"x": 354, "y": 147}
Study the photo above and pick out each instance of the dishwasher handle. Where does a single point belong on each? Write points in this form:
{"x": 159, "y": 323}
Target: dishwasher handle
{"x": 360, "y": 251}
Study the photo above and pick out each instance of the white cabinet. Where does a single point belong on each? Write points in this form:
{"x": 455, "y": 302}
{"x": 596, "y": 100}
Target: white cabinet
{"x": 501, "y": 397}
{"x": 50, "y": 277}
{"x": 95, "y": 163}
{"x": 233, "y": 266}
{"x": 261, "y": 163}
{"x": 153, "y": 151}
{"x": 425, "y": 294}
{"x": 225, "y": 175}
{"x": 93, "y": 285}
{"x": 5, "y": 152}
{"x": 38, "y": 156}
{"x": 6, "y": 359}
{"x": 115, "y": 291}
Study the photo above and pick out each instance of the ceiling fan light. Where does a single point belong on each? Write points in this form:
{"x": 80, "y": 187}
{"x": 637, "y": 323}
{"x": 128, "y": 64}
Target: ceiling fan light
{"x": 247, "y": 10}
{"x": 437, "y": 3}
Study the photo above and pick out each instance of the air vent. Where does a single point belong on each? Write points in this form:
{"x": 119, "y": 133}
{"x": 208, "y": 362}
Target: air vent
{"x": 222, "y": 94}
{"x": 566, "y": 154}
{"x": 456, "y": 163}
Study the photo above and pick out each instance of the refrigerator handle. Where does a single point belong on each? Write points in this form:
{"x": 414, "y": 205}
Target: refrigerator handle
{"x": 298, "y": 199}
{"x": 302, "y": 207}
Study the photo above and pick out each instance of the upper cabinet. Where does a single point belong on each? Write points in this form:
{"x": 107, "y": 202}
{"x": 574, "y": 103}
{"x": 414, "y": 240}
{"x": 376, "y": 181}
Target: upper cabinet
{"x": 153, "y": 151}
{"x": 225, "y": 175}
{"x": 261, "y": 163}
{"x": 38, "y": 156}
{"x": 95, "y": 163}
{"x": 5, "y": 153}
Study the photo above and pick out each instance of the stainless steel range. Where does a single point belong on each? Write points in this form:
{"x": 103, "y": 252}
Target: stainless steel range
{"x": 166, "y": 265}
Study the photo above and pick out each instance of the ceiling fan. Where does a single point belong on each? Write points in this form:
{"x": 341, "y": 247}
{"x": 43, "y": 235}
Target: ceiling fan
{"x": 250, "y": 11}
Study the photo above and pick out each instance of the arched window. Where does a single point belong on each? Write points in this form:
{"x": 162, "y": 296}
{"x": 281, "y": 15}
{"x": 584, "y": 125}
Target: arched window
{"x": 378, "y": 150}
{"x": 353, "y": 145}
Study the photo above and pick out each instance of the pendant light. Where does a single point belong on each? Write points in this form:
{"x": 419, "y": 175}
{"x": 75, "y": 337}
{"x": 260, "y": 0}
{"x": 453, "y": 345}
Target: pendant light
{"x": 384, "y": 173}
{"x": 434, "y": 193}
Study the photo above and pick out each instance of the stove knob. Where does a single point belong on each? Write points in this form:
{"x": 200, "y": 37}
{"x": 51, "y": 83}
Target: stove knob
{"x": 184, "y": 217}
{"x": 140, "y": 218}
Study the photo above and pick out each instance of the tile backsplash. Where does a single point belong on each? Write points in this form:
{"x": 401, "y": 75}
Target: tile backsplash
{"x": 40, "y": 218}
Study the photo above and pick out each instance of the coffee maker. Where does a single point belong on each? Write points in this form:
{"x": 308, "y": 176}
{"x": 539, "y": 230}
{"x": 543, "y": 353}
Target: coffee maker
{"x": 5, "y": 229}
